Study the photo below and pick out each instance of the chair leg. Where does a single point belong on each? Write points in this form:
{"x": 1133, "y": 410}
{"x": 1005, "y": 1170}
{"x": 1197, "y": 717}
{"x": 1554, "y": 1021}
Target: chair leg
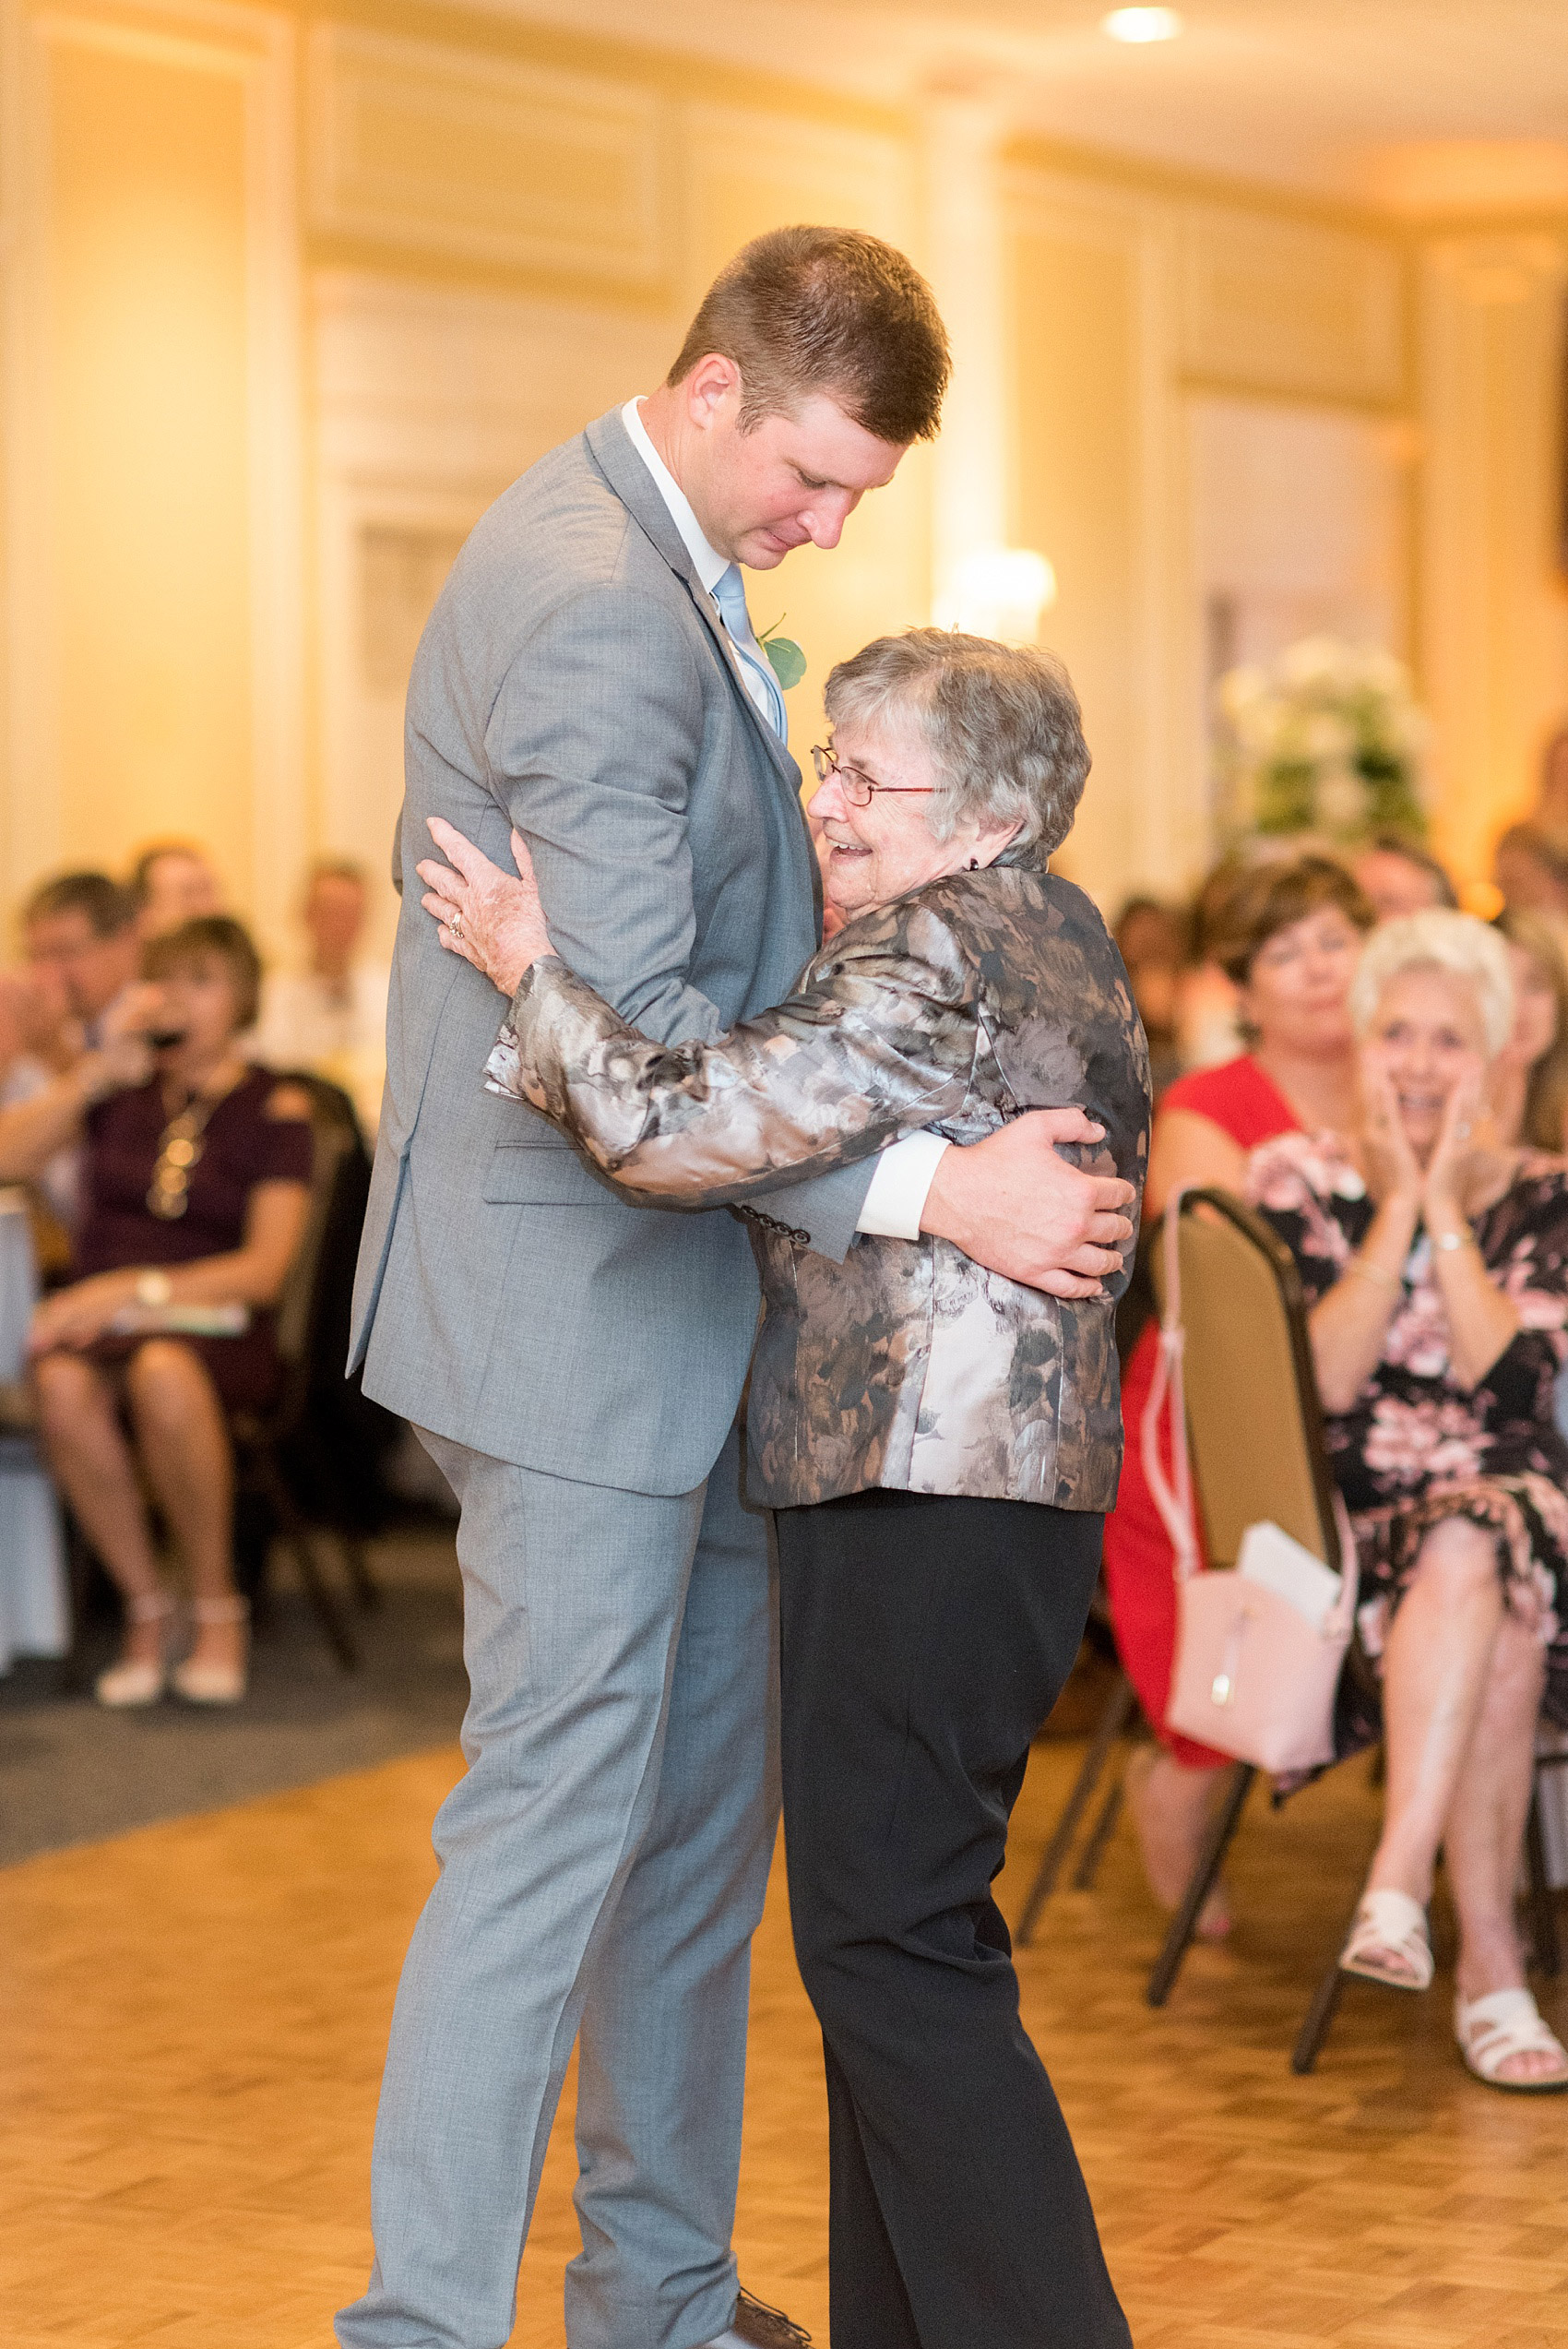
{"x": 1543, "y": 1907}
{"x": 1099, "y": 1837}
{"x": 1318, "y": 2018}
{"x": 366, "y": 1589}
{"x": 291, "y": 1526}
{"x": 1113, "y": 1721}
{"x": 1184, "y": 1924}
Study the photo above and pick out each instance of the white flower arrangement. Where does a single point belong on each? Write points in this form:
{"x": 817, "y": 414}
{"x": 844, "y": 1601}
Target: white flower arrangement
{"x": 1327, "y": 739}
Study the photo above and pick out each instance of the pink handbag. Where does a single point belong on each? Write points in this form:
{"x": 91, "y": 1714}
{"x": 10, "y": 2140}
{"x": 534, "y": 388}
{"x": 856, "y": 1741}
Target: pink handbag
{"x": 1253, "y": 1676}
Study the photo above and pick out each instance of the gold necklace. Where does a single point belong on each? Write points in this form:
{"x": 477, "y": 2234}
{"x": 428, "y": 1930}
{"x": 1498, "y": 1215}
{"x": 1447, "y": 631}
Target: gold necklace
{"x": 180, "y": 1147}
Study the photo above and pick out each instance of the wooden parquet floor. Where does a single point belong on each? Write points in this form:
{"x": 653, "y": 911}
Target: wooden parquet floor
{"x": 191, "y": 2019}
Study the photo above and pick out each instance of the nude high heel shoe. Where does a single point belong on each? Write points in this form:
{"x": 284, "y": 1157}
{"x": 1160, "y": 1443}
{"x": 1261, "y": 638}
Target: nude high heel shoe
{"x": 138, "y": 1681}
{"x": 213, "y": 1683}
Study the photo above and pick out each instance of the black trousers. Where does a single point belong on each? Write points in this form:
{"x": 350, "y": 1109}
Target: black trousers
{"x": 924, "y": 1641}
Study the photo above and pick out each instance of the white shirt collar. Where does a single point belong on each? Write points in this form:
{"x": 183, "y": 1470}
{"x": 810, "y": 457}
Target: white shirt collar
{"x": 710, "y": 566}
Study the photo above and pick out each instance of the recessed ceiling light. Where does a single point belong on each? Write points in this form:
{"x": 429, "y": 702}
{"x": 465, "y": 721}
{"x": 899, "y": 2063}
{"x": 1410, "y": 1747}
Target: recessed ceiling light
{"x": 1142, "y": 24}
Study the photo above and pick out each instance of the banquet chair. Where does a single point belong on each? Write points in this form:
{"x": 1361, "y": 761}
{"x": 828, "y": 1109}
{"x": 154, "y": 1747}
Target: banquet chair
{"x": 264, "y": 1441}
{"x": 1257, "y": 1438}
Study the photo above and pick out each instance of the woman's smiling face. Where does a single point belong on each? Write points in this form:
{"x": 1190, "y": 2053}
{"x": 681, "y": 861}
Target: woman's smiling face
{"x": 873, "y": 855}
{"x": 1426, "y": 1035}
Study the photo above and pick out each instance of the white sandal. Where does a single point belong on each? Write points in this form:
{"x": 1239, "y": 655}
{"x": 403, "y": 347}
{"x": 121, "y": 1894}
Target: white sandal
{"x": 1390, "y": 1925}
{"x": 213, "y": 1683}
{"x": 1508, "y": 2024}
{"x": 138, "y": 1680}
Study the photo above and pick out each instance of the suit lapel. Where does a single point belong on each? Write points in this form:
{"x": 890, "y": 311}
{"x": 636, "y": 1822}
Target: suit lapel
{"x": 611, "y": 447}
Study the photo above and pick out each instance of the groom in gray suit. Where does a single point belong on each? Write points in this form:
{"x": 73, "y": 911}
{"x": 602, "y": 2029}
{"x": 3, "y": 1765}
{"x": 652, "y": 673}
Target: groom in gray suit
{"x": 575, "y": 1365}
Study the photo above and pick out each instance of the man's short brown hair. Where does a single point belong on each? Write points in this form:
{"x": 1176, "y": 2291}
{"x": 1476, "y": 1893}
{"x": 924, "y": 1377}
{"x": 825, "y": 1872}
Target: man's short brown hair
{"x": 219, "y": 937}
{"x": 109, "y": 908}
{"x": 826, "y": 310}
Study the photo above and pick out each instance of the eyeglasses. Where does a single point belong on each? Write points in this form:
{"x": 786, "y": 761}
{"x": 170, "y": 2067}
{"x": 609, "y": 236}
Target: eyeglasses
{"x": 857, "y": 788}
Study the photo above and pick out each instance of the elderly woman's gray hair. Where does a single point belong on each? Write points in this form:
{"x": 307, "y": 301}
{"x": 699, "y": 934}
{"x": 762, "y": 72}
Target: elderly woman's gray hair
{"x": 1436, "y": 940}
{"x": 1001, "y": 721}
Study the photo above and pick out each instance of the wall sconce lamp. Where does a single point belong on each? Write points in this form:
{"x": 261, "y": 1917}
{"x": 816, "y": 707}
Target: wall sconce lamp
{"x": 997, "y": 591}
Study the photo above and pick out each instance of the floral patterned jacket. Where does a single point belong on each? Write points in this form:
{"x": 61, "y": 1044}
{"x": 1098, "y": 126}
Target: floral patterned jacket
{"x": 1413, "y": 1426}
{"x": 954, "y": 1008}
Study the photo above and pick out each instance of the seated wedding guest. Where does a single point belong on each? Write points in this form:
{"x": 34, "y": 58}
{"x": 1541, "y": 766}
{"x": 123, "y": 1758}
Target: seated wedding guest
{"x": 82, "y": 1016}
{"x": 1530, "y": 866}
{"x": 1551, "y": 805}
{"x": 83, "y": 955}
{"x": 1289, "y": 941}
{"x": 937, "y": 1442}
{"x": 1396, "y": 877}
{"x": 1152, "y": 941}
{"x": 1207, "y": 1031}
{"x": 329, "y": 1016}
{"x": 1529, "y": 1076}
{"x": 1434, "y": 1260}
{"x": 195, "y": 1196}
{"x": 173, "y": 881}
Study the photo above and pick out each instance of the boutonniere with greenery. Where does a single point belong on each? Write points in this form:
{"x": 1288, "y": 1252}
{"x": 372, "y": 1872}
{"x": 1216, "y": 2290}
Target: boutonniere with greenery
{"x": 789, "y": 663}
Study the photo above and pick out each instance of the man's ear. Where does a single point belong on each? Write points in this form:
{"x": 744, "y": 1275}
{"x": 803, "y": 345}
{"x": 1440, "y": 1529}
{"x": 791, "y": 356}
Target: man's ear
{"x": 714, "y": 383}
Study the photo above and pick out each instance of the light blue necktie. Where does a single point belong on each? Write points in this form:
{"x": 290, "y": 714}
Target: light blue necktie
{"x": 729, "y": 594}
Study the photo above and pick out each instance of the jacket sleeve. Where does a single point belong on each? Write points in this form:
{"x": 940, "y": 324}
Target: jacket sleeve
{"x": 879, "y": 1040}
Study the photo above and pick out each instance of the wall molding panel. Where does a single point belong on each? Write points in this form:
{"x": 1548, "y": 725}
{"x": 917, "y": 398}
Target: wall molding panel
{"x": 1495, "y": 609}
{"x": 431, "y": 148}
{"x": 199, "y": 46}
{"x": 428, "y": 400}
{"x": 1290, "y": 306}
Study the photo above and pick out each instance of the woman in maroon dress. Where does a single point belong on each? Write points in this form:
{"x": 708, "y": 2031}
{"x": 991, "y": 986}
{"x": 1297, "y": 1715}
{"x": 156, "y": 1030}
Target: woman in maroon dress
{"x": 1291, "y": 940}
{"x": 195, "y": 1196}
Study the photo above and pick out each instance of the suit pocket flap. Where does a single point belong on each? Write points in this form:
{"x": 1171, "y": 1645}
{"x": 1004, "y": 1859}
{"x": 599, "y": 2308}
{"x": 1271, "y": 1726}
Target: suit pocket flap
{"x": 541, "y": 1174}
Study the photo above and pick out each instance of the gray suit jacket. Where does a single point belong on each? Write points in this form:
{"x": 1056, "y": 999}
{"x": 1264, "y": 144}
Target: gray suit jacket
{"x": 573, "y": 680}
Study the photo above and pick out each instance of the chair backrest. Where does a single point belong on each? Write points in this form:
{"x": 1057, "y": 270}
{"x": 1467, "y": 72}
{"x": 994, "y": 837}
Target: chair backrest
{"x": 1254, "y": 1419}
{"x": 333, "y": 1151}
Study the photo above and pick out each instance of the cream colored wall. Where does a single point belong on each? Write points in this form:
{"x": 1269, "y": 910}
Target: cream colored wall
{"x": 250, "y": 398}
{"x": 1135, "y": 301}
{"x": 1493, "y": 600}
{"x": 147, "y": 481}
{"x": 150, "y": 416}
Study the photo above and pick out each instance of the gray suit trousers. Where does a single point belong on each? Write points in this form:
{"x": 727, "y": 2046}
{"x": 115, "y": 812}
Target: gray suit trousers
{"x": 603, "y": 1866}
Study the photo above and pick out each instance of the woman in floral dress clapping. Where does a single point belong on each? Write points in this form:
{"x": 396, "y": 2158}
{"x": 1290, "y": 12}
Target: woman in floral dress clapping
{"x": 1435, "y": 1265}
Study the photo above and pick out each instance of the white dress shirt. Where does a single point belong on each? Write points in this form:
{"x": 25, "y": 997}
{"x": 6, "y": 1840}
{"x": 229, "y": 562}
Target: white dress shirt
{"x": 896, "y": 1200}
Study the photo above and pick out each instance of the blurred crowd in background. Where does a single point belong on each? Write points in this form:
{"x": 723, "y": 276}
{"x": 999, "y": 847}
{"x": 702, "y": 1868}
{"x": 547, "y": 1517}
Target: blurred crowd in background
{"x": 1189, "y": 1000}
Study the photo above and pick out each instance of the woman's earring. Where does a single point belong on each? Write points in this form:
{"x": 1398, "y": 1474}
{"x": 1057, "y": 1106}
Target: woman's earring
{"x": 973, "y": 864}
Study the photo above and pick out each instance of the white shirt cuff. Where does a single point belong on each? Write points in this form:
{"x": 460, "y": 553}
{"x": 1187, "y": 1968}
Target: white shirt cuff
{"x": 896, "y": 1201}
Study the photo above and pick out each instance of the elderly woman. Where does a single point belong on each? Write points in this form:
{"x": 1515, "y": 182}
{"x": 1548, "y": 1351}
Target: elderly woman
{"x": 1435, "y": 1259}
{"x": 196, "y": 1185}
{"x": 1288, "y": 940}
{"x": 939, "y": 1443}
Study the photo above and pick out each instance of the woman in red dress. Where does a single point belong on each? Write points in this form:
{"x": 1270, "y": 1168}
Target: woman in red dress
{"x": 1290, "y": 942}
